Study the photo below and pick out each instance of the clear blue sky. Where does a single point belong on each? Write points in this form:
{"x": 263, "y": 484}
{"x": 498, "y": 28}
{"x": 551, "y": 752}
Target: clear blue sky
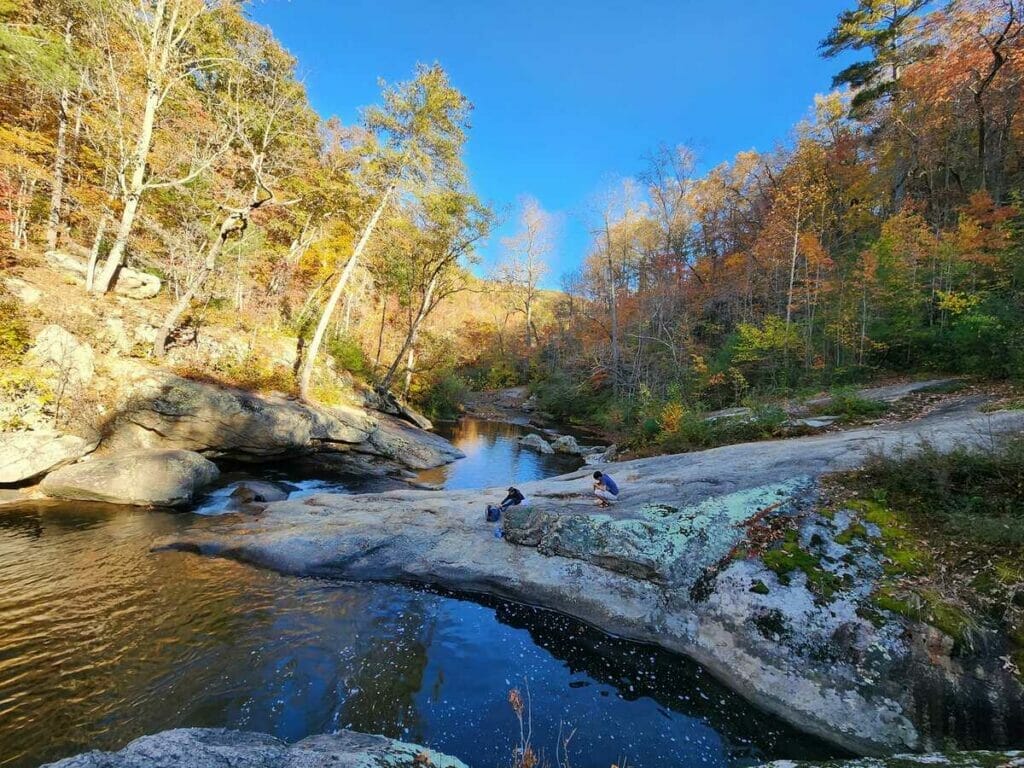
{"x": 570, "y": 94}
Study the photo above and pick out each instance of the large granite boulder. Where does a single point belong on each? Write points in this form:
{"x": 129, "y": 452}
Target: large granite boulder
{"x": 208, "y": 747}
{"x": 166, "y": 478}
{"x": 536, "y": 443}
{"x": 131, "y": 283}
{"x": 71, "y": 361}
{"x": 396, "y": 441}
{"x": 567, "y": 444}
{"x": 163, "y": 410}
{"x": 25, "y": 456}
{"x": 168, "y": 411}
{"x": 22, "y": 291}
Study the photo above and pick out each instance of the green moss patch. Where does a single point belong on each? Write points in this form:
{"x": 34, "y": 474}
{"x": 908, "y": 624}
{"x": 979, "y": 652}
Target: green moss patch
{"x": 931, "y": 608}
{"x": 790, "y": 557}
{"x": 854, "y": 530}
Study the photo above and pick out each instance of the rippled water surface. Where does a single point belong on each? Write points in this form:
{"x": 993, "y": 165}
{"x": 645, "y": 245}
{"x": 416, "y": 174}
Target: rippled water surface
{"x": 101, "y": 642}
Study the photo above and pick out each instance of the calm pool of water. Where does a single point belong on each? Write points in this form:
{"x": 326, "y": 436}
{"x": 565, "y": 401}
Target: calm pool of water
{"x": 101, "y": 642}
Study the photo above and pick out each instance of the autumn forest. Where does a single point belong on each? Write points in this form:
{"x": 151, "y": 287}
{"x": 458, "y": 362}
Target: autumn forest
{"x": 175, "y": 138}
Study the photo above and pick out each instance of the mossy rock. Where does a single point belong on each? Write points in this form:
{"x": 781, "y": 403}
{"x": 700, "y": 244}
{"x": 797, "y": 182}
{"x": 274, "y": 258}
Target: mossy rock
{"x": 790, "y": 557}
{"x": 854, "y": 530}
{"x": 759, "y": 588}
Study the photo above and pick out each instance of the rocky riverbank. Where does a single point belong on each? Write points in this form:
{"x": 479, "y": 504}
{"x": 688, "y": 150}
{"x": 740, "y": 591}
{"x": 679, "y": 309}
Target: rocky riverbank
{"x": 670, "y": 565}
{"x": 208, "y": 747}
{"x": 86, "y": 412}
{"x": 159, "y": 422}
{"x": 983, "y": 759}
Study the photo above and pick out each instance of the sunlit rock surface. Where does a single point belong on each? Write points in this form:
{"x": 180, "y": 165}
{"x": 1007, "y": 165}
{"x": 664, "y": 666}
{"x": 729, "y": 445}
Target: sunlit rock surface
{"x": 660, "y": 567}
{"x": 142, "y": 478}
{"x": 162, "y": 410}
{"x": 206, "y": 747}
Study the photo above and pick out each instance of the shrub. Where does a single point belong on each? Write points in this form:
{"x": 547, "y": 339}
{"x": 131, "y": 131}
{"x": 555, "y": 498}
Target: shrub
{"x": 444, "y": 397}
{"x": 972, "y": 493}
{"x": 14, "y": 333}
{"x": 671, "y": 417}
{"x": 847, "y": 404}
{"x": 245, "y": 371}
{"x": 695, "y": 431}
{"x": 347, "y": 354}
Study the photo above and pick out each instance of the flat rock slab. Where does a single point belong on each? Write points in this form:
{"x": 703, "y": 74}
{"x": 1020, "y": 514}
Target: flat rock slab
{"x": 209, "y": 747}
{"x": 891, "y": 393}
{"x": 142, "y": 478}
{"x": 636, "y": 569}
{"x": 25, "y": 456}
{"x": 983, "y": 759}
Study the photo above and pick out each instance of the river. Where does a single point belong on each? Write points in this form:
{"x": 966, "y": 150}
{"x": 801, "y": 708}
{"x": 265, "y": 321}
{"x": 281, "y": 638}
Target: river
{"x": 102, "y": 641}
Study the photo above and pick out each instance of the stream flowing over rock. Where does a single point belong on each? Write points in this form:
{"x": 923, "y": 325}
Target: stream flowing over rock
{"x": 208, "y": 747}
{"x": 143, "y": 478}
{"x": 659, "y": 567}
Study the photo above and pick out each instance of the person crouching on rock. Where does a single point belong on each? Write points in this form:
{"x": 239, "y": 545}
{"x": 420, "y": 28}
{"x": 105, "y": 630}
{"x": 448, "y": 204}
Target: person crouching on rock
{"x": 606, "y": 489}
{"x": 514, "y": 499}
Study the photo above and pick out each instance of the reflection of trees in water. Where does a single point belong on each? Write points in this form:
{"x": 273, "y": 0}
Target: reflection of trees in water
{"x": 118, "y": 623}
{"x": 638, "y": 670}
{"x": 493, "y": 457}
{"x": 388, "y": 673}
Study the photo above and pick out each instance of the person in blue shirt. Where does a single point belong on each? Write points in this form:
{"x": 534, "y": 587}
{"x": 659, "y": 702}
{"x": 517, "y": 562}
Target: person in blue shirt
{"x": 606, "y": 489}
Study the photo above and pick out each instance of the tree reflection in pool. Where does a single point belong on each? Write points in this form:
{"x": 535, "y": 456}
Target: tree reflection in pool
{"x": 101, "y": 642}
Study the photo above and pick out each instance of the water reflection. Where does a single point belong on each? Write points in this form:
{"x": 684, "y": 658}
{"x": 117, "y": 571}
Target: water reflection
{"x": 101, "y": 642}
{"x": 494, "y": 457}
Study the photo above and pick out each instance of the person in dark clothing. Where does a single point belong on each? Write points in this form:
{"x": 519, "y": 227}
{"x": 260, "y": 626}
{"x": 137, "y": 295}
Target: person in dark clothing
{"x": 514, "y": 498}
{"x": 606, "y": 489}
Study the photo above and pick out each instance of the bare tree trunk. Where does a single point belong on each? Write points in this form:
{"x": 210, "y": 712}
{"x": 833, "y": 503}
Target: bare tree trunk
{"x": 132, "y": 197}
{"x": 158, "y": 55}
{"x": 306, "y": 375}
{"x": 410, "y": 337}
{"x": 792, "y": 265}
{"x": 231, "y": 223}
{"x": 57, "y": 188}
{"x": 529, "y": 323}
{"x": 346, "y": 323}
{"x": 409, "y": 367}
{"x": 94, "y": 253}
{"x": 613, "y": 306}
{"x": 380, "y": 331}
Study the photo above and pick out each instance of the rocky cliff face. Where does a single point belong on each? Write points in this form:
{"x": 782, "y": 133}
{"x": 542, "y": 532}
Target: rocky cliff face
{"x": 796, "y": 632}
{"x": 153, "y": 413}
{"x": 161, "y": 410}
